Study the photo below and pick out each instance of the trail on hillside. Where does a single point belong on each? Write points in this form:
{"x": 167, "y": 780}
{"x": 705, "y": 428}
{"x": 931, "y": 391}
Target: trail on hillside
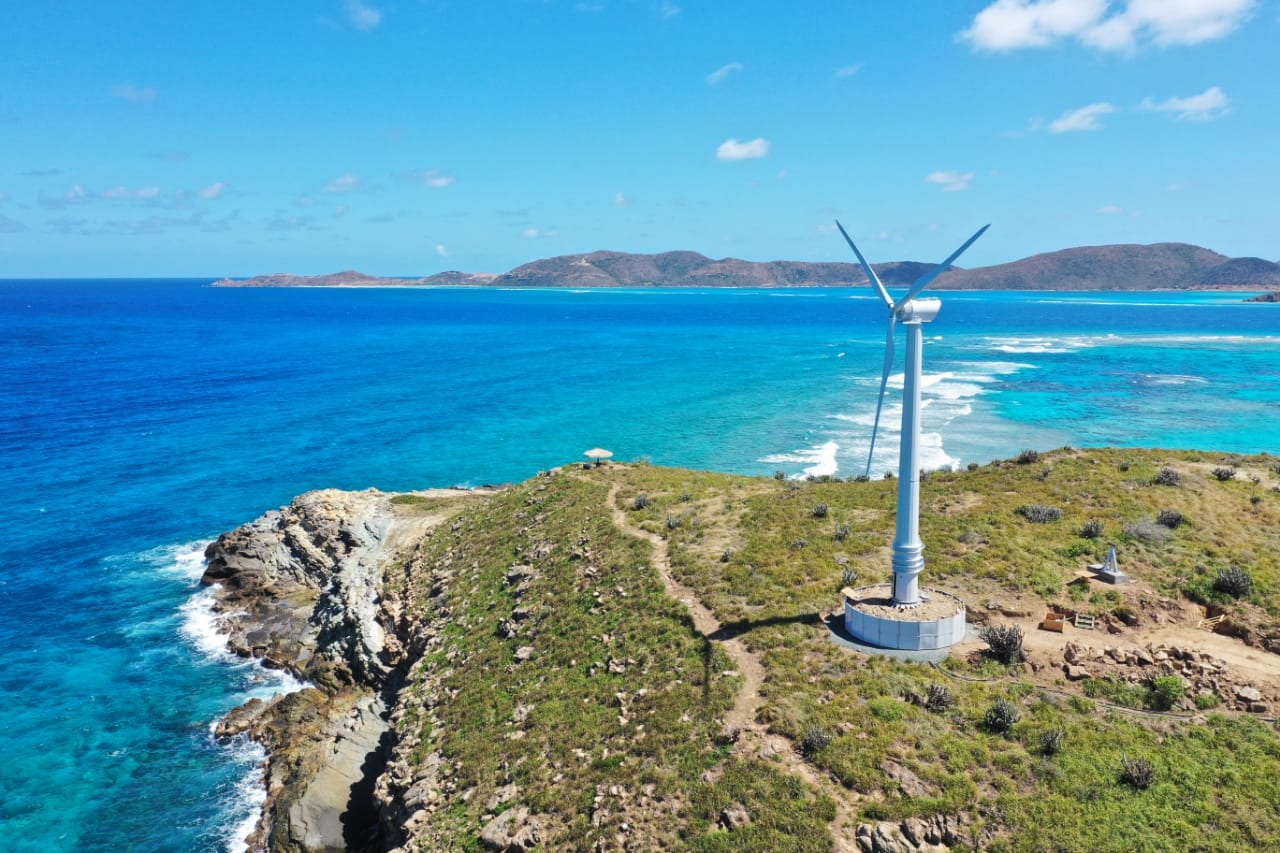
{"x": 753, "y": 739}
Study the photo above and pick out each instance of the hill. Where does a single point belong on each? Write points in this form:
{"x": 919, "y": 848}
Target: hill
{"x": 630, "y": 657}
{"x": 1176, "y": 266}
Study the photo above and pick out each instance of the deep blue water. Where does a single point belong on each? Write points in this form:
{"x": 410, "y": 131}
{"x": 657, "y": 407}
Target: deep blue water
{"x": 138, "y": 419}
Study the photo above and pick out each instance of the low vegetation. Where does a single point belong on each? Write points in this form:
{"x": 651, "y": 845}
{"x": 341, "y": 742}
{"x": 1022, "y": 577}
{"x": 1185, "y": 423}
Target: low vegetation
{"x": 1043, "y": 765}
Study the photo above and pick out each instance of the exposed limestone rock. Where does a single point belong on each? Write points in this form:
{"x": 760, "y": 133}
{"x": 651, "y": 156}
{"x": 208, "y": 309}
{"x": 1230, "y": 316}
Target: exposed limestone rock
{"x": 303, "y": 582}
{"x": 935, "y": 834}
{"x": 301, "y": 588}
{"x": 911, "y": 784}
{"x": 735, "y": 816}
{"x": 1248, "y": 694}
{"x": 511, "y": 832}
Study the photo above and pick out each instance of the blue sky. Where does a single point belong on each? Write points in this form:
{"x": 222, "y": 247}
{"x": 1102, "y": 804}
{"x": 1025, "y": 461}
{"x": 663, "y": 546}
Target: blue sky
{"x": 405, "y": 137}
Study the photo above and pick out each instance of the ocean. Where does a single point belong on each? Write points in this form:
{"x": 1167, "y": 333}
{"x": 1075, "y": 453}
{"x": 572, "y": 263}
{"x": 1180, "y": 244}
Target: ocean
{"x": 139, "y": 419}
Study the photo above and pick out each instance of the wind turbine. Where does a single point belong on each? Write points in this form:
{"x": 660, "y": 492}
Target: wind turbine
{"x": 908, "y": 550}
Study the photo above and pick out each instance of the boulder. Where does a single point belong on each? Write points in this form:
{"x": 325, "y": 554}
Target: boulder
{"x": 735, "y": 816}
{"x": 1248, "y": 694}
{"x": 1076, "y": 673}
{"x": 512, "y": 831}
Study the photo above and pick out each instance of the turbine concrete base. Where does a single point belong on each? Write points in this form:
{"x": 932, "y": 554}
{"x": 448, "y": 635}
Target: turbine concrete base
{"x": 870, "y": 617}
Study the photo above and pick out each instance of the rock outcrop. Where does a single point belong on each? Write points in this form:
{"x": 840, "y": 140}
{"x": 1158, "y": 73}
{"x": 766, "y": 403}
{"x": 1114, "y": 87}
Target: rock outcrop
{"x": 301, "y": 589}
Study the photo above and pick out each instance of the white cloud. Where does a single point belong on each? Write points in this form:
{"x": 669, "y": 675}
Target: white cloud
{"x": 723, "y": 72}
{"x": 950, "y": 181}
{"x": 733, "y": 149}
{"x": 147, "y": 192}
{"x": 534, "y": 233}
{"x": 362, "y": 16}
{"x": 668, "y": 10}
{"x": 1175, "y": 188}
{"x": 437, "y": 179}
{"x": 441, "y": 250}
{"x": 1110, "y": 209}
{"x": 343, "y": 183}
{"x": 4, "y": 196}
{"x": 117, "y": 193}
{"x": 619, "y": 200}
{"x": 1210, "y": 104}
{"x": 848, "y": 70}
{"x": 137, "y": 94}
{"x": 212, "y": 191}
{"x": 827, "y": 228}
{"x": 1007, "y": 25}
{"x": 1084, "y": 118}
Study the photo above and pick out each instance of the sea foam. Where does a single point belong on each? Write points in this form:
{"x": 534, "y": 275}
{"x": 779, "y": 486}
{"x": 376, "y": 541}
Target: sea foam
{"x": 201, "y": 628}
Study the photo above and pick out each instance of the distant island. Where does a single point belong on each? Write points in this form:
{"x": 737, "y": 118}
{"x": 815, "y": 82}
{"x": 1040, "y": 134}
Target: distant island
{"x": 1159, "y": 266}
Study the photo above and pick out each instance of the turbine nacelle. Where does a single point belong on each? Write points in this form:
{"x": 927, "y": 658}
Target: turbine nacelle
{"x": 917, "y": 310}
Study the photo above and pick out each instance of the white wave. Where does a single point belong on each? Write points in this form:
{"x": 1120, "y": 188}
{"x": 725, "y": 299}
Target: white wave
{"x": 244, "y": 806}
{"x": 821, "y": 459}
{"x": 1170, "y": 379}
{"x": 1071, "y": 343}
{"x": 201, "y": 628}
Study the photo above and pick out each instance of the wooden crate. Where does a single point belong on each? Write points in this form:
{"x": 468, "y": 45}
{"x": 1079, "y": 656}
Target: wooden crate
{"x": 1054, "y": 622}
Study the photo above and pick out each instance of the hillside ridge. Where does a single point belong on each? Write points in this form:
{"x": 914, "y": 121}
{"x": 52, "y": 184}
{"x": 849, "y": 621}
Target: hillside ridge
{"x": 1158, "y": 266}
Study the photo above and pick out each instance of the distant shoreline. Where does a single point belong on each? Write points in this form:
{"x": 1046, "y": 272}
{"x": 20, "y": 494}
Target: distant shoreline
{"x": 1170, "y": 267}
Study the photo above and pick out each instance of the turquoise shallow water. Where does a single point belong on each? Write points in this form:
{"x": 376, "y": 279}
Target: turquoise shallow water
{"x": 141, "y": 418}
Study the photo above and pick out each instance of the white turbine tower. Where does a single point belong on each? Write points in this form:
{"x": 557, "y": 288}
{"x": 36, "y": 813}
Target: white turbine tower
{"x": 908, "y": 550}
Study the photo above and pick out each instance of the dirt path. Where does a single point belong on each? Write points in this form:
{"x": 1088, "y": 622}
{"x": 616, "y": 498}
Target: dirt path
{"x": 753, "y": 739}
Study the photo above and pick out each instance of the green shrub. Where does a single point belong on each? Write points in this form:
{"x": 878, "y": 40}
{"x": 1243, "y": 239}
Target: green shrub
{"x": 1223, "y": 474}
{"x": 973, "y": 466}
{"x": 1169, "y": 518}
{"x": 1165, "y": 692}
{"x": 641, "y": 501}
{"x": 1137, "y": 772}
{"x": 849, "y": 577}
{"x": 1001, "y": 716}
{"x": 779, "y": 475}
{"x": 1039, "y": 513}
{"x": 938, "y": 699}
{"x": 1092, "y": 529}
{"x": 1166, "y": 476}
{"x": 1051, "y": 741}
{"x": 1148, "y": 531}
{"x": 674, "y": 522}
{"x": 1026, "y": 457}
{"x": 886, "y": 708}
{"x": 820, "y": 511}
{"x": 1206, "y": 701}
{"x": 841, "y": 532}
{"x": 1115, "y": 691}
{"x": 1004, "y": 642}
{"x": 1235, "y": 582}
{"x": 816, "y": 739}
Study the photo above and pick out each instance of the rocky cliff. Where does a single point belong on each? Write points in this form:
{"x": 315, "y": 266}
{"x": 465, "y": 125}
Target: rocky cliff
{"x": 301, "y": 589}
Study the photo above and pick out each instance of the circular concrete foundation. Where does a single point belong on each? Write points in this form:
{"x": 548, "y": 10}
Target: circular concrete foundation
{"x": 871, "y": 617}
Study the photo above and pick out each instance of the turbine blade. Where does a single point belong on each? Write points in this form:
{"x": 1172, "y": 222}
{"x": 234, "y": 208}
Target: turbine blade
{"x": 924, "y": 280}
{"x": 884, "y": 380}
{"x": 871, "y": 274}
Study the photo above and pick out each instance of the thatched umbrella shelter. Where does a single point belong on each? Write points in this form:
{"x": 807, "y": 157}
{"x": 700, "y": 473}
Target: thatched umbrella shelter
{"x": 598, "y": 454}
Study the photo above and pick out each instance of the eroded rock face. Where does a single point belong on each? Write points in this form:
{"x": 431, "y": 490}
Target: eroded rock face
{"x": 301, "y": 588}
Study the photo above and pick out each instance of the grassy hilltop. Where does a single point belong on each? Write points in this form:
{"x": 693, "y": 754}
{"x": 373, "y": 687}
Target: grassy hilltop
{"x": 637, "y": 657}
